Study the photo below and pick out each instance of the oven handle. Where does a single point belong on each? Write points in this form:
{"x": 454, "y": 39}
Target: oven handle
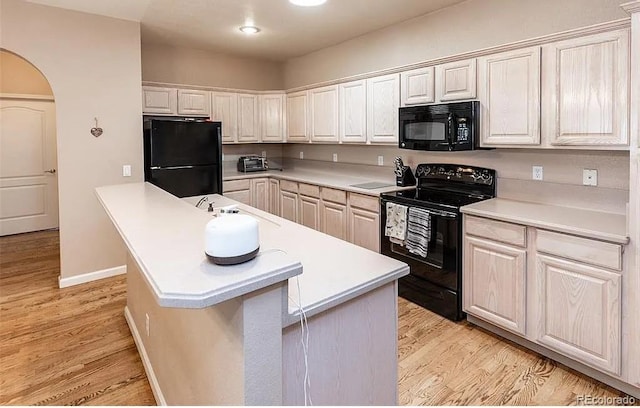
{"x": 440, "y": 213}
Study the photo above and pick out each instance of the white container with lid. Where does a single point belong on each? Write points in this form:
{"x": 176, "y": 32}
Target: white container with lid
{"x": 232, "y": 239}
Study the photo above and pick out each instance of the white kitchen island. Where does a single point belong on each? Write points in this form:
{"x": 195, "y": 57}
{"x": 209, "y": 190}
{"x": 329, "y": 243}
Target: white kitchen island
{"x": 231, "y": 335}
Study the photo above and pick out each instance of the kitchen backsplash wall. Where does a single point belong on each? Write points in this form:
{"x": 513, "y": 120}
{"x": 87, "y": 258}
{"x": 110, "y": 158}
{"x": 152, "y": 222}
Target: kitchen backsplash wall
{"x": 562, "y": 170}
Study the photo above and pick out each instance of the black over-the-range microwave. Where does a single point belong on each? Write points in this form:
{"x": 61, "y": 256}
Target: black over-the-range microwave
{"x": 442, "y": 127}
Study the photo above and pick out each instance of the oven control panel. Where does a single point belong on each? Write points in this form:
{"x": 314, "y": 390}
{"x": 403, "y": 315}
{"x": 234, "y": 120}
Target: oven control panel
{"x": 468, "y": 174}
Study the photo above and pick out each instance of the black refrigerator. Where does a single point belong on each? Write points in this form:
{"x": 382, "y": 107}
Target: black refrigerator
{"x": 183, "y": 156}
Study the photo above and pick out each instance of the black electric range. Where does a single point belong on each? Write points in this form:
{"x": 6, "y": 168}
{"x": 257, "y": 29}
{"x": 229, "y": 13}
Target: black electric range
{"x": 435, "y": 279}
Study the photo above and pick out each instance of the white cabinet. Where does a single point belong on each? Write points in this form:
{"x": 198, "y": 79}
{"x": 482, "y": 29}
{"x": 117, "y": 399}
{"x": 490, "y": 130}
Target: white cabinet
{"x": 239, "y": 190}
{"x": 323, "y": 114}
{"x": 586, "y": 90}
{"x": 309, "y": 213}
{"x": 417, "y": 86}
{"x": 224, "y": 108}
{"x": 353, "y": 112}
{"x": 194, "y": 102}
{"x": 297, "y": 117}
{"x": 289, "y": 205}
{"x": 274, "y": 196}
{"x": 363, "y": 217}
{"x": 383, "y": 101}
{"x": 260, "y": 193}
{"x": 456, "y": 80}
{"x": 509, "y": 94}
{"x": 494, "y": 283}
{"x": 272, "y": 117}
{"x": 579, "y": 311}
{"x": 333, "y": 219}
{"x": 248, "y": 118}
{"x": 159, "y": 101}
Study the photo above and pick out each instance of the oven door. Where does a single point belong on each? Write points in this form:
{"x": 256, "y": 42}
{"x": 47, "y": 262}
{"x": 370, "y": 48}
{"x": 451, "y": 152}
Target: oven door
{"x": 424, "y": 131}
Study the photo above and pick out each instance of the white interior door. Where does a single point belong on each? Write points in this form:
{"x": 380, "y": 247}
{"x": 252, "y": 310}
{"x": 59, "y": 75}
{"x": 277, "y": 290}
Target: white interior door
{"x": 28, "y": 163}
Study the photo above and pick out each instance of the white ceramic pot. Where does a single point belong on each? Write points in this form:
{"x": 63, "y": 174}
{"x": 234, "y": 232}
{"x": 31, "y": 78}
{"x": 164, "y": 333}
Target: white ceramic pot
{"x": 232, "y": 239}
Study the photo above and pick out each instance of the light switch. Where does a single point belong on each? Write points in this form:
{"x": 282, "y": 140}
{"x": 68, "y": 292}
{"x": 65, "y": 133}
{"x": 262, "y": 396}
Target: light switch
{"x": 126, "y": 170}
{"x": 380, "y": 160}
{"x": 335, "y": 157}
{"x": 301, "y": 155}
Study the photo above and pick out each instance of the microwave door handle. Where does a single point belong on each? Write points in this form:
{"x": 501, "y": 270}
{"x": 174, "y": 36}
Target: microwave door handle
{"x": 451, "y": 131}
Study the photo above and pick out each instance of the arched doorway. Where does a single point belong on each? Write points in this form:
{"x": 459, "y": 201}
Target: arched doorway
{"x": 28, "y": 153}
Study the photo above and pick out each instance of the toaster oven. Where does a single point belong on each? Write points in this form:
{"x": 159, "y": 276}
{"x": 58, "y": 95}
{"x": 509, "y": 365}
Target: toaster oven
{"x": 248, "y": 164}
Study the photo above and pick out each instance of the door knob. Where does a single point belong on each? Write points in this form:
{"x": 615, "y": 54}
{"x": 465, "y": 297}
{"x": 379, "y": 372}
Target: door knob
{"x": 52, "y": 171}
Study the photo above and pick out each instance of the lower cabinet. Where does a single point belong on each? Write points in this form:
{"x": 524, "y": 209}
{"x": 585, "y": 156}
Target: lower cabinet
{"x": 333, "y": 219}
{"x": 495, "y": 290}
{"x": 238, "y": 190}
{"x": 274, "y": 196}
{"x": 260, "y": 193}
{"x": 579, "y": 311}
{"x": 567, "y": 289}
{"x": 289, "y": 205}
{"x": 364, "y": 221}
{"x": 309, "y": 214}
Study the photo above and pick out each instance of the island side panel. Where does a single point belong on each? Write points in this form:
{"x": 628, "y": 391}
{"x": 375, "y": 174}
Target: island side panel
{"x": 196, "y": 354}
{"x": 352, "y": 357}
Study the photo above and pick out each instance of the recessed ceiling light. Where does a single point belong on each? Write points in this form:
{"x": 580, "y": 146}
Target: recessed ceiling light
{"x": 307, "y": 3}
{"x": 250, "y": 29}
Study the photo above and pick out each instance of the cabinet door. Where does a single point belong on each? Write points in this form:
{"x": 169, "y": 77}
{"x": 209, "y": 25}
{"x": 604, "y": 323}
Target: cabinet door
{"x": 456, "y": 80}
{"x": 192, "y": 102}
{"x": 509, "y": 93}
{"x": 309, "y": 214}
{"x": 417, "y": 86}
{"x": 323, "y": 107}
{"x": 383, "y": 101}
{"x": 353, "y": 112}
{"x": 274, "y": 196}
{"x": 579, "y": 311}
{"x": 272, "y": 117}
{"x": 297, "y": 129}
{"x": 494, "y": 283}
{"x": 159, "y": 100}
{"x": 364, "y": 228}
{"x": 248, "y": 118}
{"x": 289, "y": 205}
{"x": 260, "y": 193}
{"x": 242, "y": 196}
{"x": 224, "y": 108}
{"x": 586, "y": 90}
{"x": 333, "y": 219}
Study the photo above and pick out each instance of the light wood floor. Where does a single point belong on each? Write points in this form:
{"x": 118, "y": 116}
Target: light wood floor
{"x": 73, "y": 347}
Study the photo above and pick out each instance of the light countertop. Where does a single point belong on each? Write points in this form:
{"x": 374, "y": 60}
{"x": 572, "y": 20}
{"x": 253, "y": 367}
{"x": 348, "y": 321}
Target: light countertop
{"x": 590, "y": 224}
{"x": 338, "y": 178}
{"x": 166, "y": 237}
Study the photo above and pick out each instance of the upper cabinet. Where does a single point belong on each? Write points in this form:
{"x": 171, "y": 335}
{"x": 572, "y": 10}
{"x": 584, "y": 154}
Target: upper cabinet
{"x": 323, "y": 113}
{"x": 456, "y": 80}
{"x": 159, "y": 101}
{"x": 272, "y": 117}
{"x": 248, "y": 118}
{"x": 383, "y": 101}
{"x": 353, "y": 111}
{"x": 297, "y": 117}
{"x": 586, "y": 90}
{"x": 417, "y": 86}
{"x": 193, "y": 102}
{"x": 224, "y": 108}
{"x": 509, "y": 94}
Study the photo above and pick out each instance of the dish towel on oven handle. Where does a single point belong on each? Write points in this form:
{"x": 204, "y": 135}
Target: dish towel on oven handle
{"x": 396, "y": 226}
{"x": 418, "y": 231}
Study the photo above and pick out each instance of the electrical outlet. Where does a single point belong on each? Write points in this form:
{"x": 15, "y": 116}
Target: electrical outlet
{"x": 301, "y": 155}
{"x": 126, "y": 170}
{"x": 589, "y": 177}
{"x": 146, "y": 323}
{"x": 335, "y": 157}
{"x": 264, "y": 153}
{"x": 380, "y": 160}
{"x": 537, "y": 173}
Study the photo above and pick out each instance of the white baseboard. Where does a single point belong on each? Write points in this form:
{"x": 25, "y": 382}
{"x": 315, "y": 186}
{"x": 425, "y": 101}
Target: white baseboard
{"x": 153, "y": 380}
{"x": 91, "y": 276}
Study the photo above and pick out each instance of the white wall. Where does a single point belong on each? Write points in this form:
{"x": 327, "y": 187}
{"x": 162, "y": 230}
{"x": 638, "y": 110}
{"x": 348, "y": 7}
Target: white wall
{"x": 467, "y": 26}
{"x": 93, "y": 66}
{"x": 187, "y": 66}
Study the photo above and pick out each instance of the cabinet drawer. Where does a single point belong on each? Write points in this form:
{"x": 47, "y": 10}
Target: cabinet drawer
{"x": 513, "y": 234}
{"x": 309, "y": 190}
{"x": 580, "y": 249}
{"x": 364, "y": 202}
{"x": 290, "y": 186}
{"x": 333, "y": 195}
{"x": 236, "y": 185}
